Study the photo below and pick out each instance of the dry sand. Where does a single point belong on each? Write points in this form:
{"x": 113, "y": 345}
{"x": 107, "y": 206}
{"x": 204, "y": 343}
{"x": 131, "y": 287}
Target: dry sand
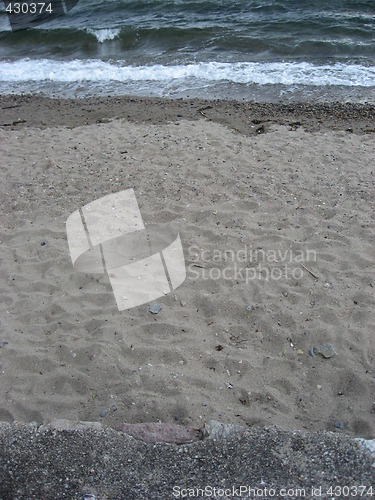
{"x": 223, "y": 349}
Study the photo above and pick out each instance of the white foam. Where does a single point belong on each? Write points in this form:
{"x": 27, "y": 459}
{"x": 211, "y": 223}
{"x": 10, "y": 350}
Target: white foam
{"x": 303, "y": 73}
{"x": 104, "y": 34}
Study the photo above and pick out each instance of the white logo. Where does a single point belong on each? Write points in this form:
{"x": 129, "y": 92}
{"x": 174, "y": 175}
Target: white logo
{"x": 108, "y": 236}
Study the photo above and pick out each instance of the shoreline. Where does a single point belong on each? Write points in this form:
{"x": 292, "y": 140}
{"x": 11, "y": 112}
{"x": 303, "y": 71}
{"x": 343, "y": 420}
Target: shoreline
{"x": 244, "y": 117}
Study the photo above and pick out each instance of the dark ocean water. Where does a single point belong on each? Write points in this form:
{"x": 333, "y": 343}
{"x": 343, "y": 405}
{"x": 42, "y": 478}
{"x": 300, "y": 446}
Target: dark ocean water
{"x": 263, "y": 49}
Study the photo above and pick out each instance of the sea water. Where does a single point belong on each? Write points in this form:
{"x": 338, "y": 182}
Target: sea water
{"x": 260, "y": 50}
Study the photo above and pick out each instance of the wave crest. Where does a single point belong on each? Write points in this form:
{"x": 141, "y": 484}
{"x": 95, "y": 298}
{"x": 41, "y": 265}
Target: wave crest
{"x": 103, "y": 35}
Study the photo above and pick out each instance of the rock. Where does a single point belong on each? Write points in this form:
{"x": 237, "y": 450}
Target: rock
{"x": 338, "y": 425}
{"x": 178, "y": 434}
{"x": 217, "y": 430}
{"x": 368, "y": 444}
{"x": 325, "y": 350}
{"x": 155, "y": 308}
{"x": 103, "y": 413}
{"x": 3, "y": 343}
{"x": 311, "y": 352}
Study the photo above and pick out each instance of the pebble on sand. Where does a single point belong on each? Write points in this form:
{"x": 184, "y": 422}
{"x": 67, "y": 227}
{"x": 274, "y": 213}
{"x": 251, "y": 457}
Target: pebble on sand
{"x": 338, "y": 425}
{"x": 325, "y": 350}
{"x": 155, "y": 308}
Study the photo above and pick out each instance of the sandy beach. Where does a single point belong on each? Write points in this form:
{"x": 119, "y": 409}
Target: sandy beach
{"x": 274, "y": 323}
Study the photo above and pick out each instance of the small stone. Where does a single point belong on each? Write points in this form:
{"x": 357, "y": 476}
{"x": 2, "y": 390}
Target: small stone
{"x": 338, "y": 425}
{"x": 183, "y": 303}
{"x": 311, "y": 352}
{"x": 300, "y": 352}
{"x": 3, "y": 343}
{"x": 103, "y": 413}
{"x": 43, "y": 243}
{"x": 217, "y": 431}
{"x": 325, "y": 350}
{"x": 155, "y": 308}
{"x": 248, "y": 308}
